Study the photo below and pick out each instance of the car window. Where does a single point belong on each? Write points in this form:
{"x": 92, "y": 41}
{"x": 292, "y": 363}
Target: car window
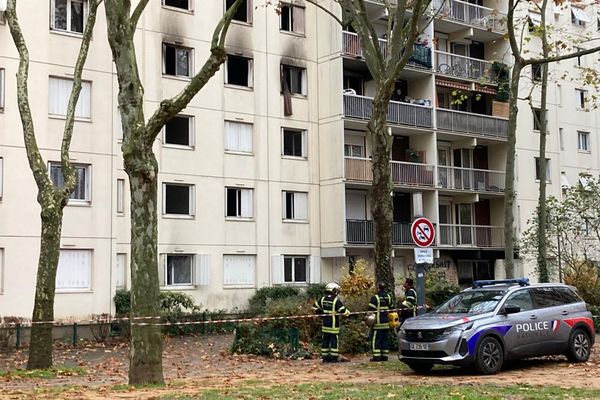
{"x": 568, "y": 295}
{"x": 545, "y": 297}
{"x": 473, "y": 302}
{"x": 521, "y": 298}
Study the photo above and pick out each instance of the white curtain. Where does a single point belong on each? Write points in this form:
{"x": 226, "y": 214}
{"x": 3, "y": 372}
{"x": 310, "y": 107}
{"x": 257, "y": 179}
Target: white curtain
{"x": 304, "y": 143}
{"x": 250, "y": 73}
{"x": 120, "y": 195}
{"x": 238, "y": 136}
{"x": 298, "y": 19}
{"x": 120, "y": 268}
{"x": 300, "y": 205}
{"x": 74, "y": 270}
{"x": 59, "y": 91}
{"x": 304, "y": 83}
{"x": 239, "y": 269}
{"x": 246, "y": 203}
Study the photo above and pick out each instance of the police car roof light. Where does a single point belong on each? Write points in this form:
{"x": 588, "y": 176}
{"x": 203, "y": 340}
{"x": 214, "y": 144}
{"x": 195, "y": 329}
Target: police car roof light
{"x": 519, "y": 281}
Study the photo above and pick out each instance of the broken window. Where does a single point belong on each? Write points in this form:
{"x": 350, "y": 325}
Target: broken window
{"x": 178, "y": 131}
{"x": 68, "y": 15}
{"x": 183, "y": 4}
{"x": 178, "y": 199}
{"x": 238, "y": 202}
{"x": 238, "y": 71}
{"x": 177, "y": 60}
{"x": 295, "y": 78}
{"x": 244, "y": 11}
{"x": 294, "y": 142}
{"x": 291, "y": 19}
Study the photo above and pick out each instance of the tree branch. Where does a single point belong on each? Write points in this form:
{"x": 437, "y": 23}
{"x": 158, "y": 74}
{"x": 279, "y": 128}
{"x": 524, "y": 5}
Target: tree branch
{"x": 136, "y": 14}
{"x": 331, "y": 14}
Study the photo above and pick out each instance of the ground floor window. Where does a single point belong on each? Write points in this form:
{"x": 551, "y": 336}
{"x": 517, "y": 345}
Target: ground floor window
{"x": 473, "y": 270}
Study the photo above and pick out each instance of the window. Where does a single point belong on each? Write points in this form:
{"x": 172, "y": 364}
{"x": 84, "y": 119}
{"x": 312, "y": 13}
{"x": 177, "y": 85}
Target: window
{"x": 295, "y": 79}
{"x": 291, "y": 19}
{"x": 178, "y": 269}
{"x": 354, "y": 150}
{"x": 182, "y": 4}
{"x": 294, "y": 142}
{"x": 1, "y": 89}
{"x": 537, "y": 169}
{"x": 74, "y": 270}
{"x": 536, "y": 72}
{"x": 521, "y": 298}
{"x": 121, "y": 271}
{"x": 559, "y": 94}
{"x": 294, "y": 269}
{"x": 120, "y": 196}
{"x": 583, "y": 141}
{"x": 579, "y": 17}
{"x": 179, "y": 131}
{"x": 238, "y": 136}
{"x": 238, "y": 202}
{"x": 561, "y": 139}
{"x": 59, "y": 92}
{"x": 239, "y": 270}
{"x": 1, "y": 177}
{"x": 244, "y": 11}
{"x": 568, "y": 295}
{"x": 547, "y": 297}
{"x": 177, "y": 61}
{"x": 68, "y": 15}
{"x": 537, "y": 118}
{"x": 580, "y": 98}
{"x": 239, "y": 71}
{"x": 82, "y": 191}
{"x": 295, "y": 205}
{"x": 578, "y": 59}
{"x": 178, "y": 199}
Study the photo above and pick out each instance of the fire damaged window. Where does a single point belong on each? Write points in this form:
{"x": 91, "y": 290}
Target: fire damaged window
{"x": 295, "y": 79}
{"x": 239, "y": 71}
{"x": 178, "y": 131}
{"x": 292, "y": 19}
{"x": 182, "y": 4}
{"x": 178, "y": 199}
{"x": 177, "y": 60}
{"x": 244, "y": 11}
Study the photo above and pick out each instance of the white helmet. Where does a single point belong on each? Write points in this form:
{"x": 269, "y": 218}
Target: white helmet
{"x": 332, "y": 287}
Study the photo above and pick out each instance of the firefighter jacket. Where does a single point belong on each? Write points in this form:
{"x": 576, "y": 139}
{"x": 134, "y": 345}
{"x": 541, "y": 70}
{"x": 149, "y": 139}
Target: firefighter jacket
{"x": 381, "y": 304}
{"x": 410, "y": 300}
{"x": 333, "y": 308}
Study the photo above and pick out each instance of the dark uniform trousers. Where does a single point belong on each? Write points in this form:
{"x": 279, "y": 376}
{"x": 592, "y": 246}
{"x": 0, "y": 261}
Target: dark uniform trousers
{"x": 332, "y": 307}
{"x": 380, "y": 333}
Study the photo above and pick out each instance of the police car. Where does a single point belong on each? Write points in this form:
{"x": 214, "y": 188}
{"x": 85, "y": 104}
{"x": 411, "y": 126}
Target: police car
{"x": 495, "y": 321}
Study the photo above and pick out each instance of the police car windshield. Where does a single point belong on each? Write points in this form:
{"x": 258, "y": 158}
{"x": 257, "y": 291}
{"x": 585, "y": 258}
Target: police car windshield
{"x": 473, "y": 302}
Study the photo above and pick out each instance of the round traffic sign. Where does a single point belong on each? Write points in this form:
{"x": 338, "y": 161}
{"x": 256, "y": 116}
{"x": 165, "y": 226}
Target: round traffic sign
{"x": 422, "y": 232}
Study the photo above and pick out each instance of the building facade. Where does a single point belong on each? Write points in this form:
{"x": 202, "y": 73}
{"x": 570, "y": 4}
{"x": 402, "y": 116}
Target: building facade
{"x": 264, "y": 177}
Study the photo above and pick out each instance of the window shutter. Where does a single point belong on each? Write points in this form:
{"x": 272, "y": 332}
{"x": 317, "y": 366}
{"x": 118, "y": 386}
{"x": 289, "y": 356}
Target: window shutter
{"x": 304, "y": 143}
{"x": 202, "y": 270}
{"x": 162, "y": 265}
{"x": 314, "y": 275}
{"x": 304, "y": 83}
{"x": 246, "y": 203}
{"x": 298, "y": 19}
{"x": 120, "y": 268}
{"x": 276, "y": 269}
{"x": 74, "y": 269}
{"x": 250, "y": 73}
{"x": 283, "y": 205}
{"x": 192, "y": 199}
{"x": 300, "y": 205}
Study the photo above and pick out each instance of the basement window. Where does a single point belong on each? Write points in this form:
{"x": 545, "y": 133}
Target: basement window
{"x": 178, "y": 131}
{"x": 239, "y": 71}
{"x": 178, "y": 199}
{"x": 295, "y": 78}
{"x": 181, "y": 4}
{"x": 244, "y": 11}
{"x": 176, "y": 60}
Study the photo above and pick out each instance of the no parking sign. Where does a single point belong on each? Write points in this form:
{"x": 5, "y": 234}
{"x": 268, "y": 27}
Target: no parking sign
{"x": 422, "y": 232}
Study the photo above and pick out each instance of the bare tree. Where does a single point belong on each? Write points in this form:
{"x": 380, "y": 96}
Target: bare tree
{"x": 52, "y": 198}
{"x": 142, "y": 169}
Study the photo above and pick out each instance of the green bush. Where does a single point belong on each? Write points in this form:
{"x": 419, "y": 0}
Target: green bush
{"x": 595, "y": 310}
{"x": 353, "y": 335}
{"x": 122, "y": 303}
{"x": 315, "y": 291}
{"x": 258, "y": 302}
{"x": 439, "y": 292}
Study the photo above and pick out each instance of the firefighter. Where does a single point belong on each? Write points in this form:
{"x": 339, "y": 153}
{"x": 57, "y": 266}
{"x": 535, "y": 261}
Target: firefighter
{"x": 380, "y": 303}
{"x": 409, "y": 305}
{"x": 333, "y": 308}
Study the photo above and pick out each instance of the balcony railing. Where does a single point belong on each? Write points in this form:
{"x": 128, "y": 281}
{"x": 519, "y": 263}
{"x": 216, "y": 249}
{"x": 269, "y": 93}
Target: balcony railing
{"x": 403, "y": 173}
{"x": 477, "y": 124}
{"x": 398, "y": 113}
{"x": 464, "y": 67}
{"x": 471, "y": 14}
{"x": 476, "y": 236}
{"x": 479, "y": 180}
{"x": 362, "y": 232}
{"x": 420, "y": 58}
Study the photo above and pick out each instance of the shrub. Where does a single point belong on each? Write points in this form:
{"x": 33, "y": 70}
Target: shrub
{"x": 173, "y": 302}
{"x": 315, "y": 291}
{"x": 595, "y": 310}
{"x": 100, "y": 327}
{"x": 7, "y": 333}
{"x": 586, "y": 278}
{"x": 122, "y": 303}
{"x": 437, "y": 287}
{"x": 258, "y": 302}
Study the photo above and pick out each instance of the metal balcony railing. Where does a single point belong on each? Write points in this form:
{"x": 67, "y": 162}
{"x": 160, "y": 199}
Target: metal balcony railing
{"x": 362, "y": 232}
{"x": 398, "y": 113}
{"x": 470, "y": 14}
{"x": 420, "y": 58}
{"x": 477, "y": 124}
{"x": 464, "y": 67}
{"x": 403, "y": 173}
{"x": 479, "y": 180}
{"x": 475, "y": 236}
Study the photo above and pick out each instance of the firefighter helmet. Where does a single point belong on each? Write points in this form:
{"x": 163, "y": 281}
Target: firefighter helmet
{"x": 332, "y": 287}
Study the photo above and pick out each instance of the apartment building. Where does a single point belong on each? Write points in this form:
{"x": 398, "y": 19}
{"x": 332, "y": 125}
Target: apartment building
{"x": 264, "y": 177}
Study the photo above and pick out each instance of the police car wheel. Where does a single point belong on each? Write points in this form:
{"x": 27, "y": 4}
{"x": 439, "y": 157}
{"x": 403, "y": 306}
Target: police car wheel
{"x": 490, "y": 356}
{"x": 579, "y": 346}
{"x": 420, "y": 368}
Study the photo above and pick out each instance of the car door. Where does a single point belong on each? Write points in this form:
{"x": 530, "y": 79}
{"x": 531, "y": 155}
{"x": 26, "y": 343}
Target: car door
{"x": 518, "y": 339}
{"x": 552, "y": 309}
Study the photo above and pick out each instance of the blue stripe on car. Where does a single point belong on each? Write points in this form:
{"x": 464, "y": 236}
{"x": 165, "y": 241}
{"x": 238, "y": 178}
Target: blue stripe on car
{"x": 502, "y": 330}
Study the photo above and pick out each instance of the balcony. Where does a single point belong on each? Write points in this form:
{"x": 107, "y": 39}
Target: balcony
{"x": 462, "y": 67}
{"x": 471, "y": 14}
{"x": 470, "y": 123}
{"x": 421, "y": 57}
{"x": 407, "y": 114}
{"x": 470, "y": 236}
{"x": 478, "y": 180}
{"x": 403, "y": 173}
{"x": 362, "y": 232}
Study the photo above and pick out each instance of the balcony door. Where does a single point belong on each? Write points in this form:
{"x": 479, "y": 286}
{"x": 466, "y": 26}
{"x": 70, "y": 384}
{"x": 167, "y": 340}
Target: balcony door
{"x": 445, "y": 218}
{"x": 463, "y": 176}
{"x": 464, "y": 228}
{"x": 443, "y": 163}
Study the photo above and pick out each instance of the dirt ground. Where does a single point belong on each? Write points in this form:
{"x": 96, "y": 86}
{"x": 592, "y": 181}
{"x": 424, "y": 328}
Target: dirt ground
{"x": 204, "y": 361}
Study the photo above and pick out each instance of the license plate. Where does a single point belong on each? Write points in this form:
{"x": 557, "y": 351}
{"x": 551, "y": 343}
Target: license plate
{"x": 419, "y": 346}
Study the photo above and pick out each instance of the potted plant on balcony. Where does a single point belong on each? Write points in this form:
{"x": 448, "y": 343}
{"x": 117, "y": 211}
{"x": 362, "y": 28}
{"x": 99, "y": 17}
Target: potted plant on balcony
{"x": 500, "y": 103}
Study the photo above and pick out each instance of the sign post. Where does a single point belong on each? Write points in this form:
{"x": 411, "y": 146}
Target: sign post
{"x": 423, "y": 234}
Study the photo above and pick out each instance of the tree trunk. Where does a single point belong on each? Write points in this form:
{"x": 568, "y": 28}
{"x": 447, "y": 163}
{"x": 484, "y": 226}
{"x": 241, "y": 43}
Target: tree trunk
{"x": 542, "y": 261}
{"x": 509, "y": 183}
{"x": 40, "y": 347}
{"x": 381, "y": 193}
{"x": 145, "y": 354}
